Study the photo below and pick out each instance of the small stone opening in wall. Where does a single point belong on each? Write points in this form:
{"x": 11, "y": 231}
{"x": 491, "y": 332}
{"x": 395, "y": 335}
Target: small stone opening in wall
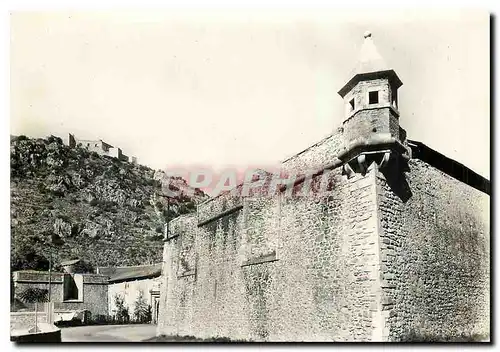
{"x": 395, "y": 99}
{"x": 373, "y": 97}
{"x": 351, "y": 105}
{"x": 374, "y": 129}
{"x": 72, "y": 287}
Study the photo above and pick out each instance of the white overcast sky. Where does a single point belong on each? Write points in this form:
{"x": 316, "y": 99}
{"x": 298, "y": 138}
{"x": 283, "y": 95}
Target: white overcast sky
{"x": 227, "y": 88}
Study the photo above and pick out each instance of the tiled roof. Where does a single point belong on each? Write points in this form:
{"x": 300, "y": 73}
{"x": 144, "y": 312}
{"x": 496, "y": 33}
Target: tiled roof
{"x": 126, "y": 273}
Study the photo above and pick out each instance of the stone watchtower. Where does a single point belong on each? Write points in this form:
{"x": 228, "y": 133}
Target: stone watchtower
{"x": 371, "y": 122}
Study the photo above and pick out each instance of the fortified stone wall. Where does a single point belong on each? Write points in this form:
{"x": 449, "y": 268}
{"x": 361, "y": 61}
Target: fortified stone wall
{"x": 92, "y": 145}
{"x": 373, "y": 257}
{"x": 277, "y": 269}
{"x": 435, "y": 255}
{"x": 315, "y": 156}
{"x": 115, "y": 152}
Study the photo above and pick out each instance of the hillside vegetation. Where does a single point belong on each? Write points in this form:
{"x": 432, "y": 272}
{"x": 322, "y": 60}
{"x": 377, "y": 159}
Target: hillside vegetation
{"x": 77, "y": 204}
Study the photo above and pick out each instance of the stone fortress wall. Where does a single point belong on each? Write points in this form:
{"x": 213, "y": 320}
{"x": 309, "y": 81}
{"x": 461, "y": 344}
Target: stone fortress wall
{"x": 434, "y": 255}
{"x": 355, "y": 263}
{"x": 395, "y": 248}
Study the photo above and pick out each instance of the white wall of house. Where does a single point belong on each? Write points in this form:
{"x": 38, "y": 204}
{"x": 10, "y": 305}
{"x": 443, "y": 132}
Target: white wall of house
{"x": 129, "y": 290}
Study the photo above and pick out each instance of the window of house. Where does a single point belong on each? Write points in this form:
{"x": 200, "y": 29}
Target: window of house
{"x": 351, "y": 105}
{"x": 395, "y": 99}
{"x": 73, "y": 287}
{"x": 373, "y": 97}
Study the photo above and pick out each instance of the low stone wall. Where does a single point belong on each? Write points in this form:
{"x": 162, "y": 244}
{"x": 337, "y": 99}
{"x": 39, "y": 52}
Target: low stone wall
{"x": 24, "y": 320}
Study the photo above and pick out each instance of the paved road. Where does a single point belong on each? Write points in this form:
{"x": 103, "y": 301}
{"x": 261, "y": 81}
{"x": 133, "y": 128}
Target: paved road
{"x": 108, "y": 333}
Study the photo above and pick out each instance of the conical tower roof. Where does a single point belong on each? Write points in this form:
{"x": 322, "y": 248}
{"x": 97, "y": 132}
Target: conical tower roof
{"x": 369, "y": 59}
{"x": 370, "y": 65}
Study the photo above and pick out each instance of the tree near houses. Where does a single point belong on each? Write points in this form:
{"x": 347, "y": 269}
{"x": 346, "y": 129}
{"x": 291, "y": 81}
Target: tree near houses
{"x": 34, "y": 295}
{"x": 142, "y": 310}
{"x": 121, "y": 315}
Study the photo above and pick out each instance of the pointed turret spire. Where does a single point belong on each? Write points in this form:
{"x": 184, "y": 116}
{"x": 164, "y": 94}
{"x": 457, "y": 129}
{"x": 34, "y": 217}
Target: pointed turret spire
{"x": 370, "y": 62}
{"x": 369, "y": 58}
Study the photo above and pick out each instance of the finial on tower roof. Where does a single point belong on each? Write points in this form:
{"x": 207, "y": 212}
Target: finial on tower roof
{"x": 368, "y": 34}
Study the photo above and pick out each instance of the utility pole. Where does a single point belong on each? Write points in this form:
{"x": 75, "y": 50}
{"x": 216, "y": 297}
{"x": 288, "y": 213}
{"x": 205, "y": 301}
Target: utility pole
{"x": 168, "y": 216}
{"x": 36, "y": 317}
{"x": 50, "y": 273}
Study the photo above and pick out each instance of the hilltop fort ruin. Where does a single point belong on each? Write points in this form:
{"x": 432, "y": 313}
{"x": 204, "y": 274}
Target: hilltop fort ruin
{"x": 98, "y": 146}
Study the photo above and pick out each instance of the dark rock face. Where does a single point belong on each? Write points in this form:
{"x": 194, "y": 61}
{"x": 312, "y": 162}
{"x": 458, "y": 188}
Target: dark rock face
{"x": 100, "y": 209}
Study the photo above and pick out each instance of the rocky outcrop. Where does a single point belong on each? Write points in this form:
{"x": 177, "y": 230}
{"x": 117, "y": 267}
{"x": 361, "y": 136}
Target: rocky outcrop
{"x": 73, "y": 202}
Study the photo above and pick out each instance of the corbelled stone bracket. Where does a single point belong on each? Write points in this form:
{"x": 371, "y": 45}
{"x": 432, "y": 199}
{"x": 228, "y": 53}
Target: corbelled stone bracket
{"x": 360, "y": 155}
{"x": 362, "y": 163}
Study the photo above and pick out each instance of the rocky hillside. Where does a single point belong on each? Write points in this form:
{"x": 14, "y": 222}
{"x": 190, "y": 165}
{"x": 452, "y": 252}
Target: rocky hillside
{"x": 78, "y": 204}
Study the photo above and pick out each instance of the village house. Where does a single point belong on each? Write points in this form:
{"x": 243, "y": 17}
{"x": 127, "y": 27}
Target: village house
{"x": 75, "y": 294}
{"x": 70, "y": 292}
{"x": 129, "y": 281}
{"x": 396, "y": 248}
